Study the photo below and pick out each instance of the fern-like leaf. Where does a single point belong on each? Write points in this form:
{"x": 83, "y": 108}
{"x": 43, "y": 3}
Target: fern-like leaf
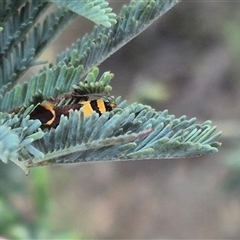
{"x": 133, "y": 131}
{"x": 21, "y": 44}
{"x": 103, "y": 42}
{"x": 16, "y": 137}
{"x": 9, "y": 143}
{"x": 127, "y": 133}
{"x": 50, "y": 83}
{"x": 17, "y": 26}
{"x": 8, "y": 7}
{"x": 95, "y": 10}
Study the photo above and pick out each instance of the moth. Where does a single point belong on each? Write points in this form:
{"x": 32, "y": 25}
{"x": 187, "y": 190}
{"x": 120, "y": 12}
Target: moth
{"x": 49, "y": 114}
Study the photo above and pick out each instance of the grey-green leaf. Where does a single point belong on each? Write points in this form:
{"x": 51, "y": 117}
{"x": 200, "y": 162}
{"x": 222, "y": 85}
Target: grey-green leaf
{"x": 9, "y": 144}
{"x": 94, "y": 10}
{"x": 151, "y": 135}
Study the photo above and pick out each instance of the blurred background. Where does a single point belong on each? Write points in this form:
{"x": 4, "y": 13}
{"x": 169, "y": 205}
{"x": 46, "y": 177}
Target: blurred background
{"x": 188, "y": 62}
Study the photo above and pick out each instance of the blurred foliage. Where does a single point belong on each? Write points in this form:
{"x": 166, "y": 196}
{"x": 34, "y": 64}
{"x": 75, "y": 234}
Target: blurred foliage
{"x": 231, "y": 159}
{"x": 26, "y": 209}
{"x": 231, "y": 34}
{"x": 156, "y": 91}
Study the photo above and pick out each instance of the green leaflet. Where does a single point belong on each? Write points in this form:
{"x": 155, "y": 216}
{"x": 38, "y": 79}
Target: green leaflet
{"x": 17, "y": 135}
{"x": 95, "y": 10}
{"x": 9, "y": 143}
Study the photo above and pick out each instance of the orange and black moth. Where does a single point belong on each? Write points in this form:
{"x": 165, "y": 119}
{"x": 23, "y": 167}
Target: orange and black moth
{"x": 49, "y": 114}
